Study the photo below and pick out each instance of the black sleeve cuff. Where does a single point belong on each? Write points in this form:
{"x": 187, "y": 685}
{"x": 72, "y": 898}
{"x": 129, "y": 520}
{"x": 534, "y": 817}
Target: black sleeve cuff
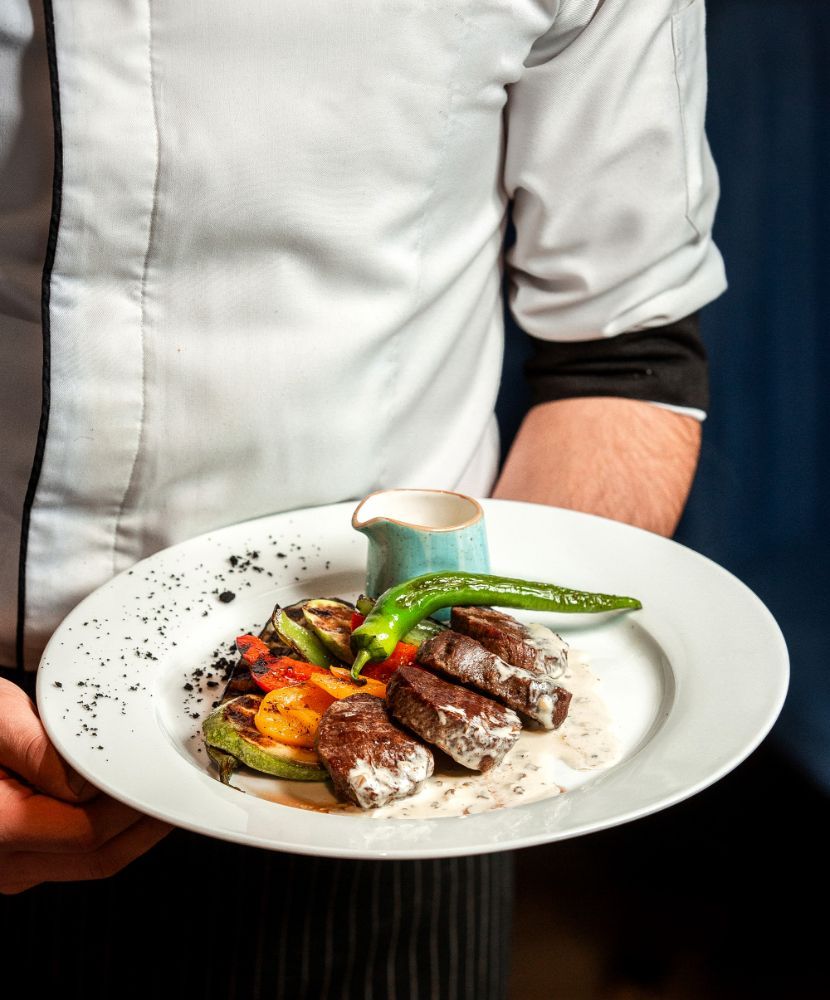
{"x": 665, "y": 364}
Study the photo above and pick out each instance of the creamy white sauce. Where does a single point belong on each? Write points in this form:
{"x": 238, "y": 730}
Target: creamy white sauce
{"x": 486, "y": 737}
{"x": 585, "y": 741}
{"x": 506, "y": 671}
{"x": 379, "y": 784}
{"x": 548, "y": 642}
{"x": 544, "y": 711}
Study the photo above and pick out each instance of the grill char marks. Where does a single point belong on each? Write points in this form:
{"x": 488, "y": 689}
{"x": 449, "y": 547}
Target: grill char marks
{"x": 241, "y": 714}
{"x": 370, "y": 760}
{"x": 475, "y": 731}
{"x": 512, "y": 641}
{"x": 536, "y": 695}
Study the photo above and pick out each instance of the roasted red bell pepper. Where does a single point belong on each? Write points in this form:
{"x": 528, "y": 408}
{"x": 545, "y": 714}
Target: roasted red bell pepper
{"x": 269, "y": 671}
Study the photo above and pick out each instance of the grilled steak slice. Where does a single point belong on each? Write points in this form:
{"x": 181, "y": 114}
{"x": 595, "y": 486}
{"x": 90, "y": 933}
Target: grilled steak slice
{"x": 535, "y": 695}
{"x": 531, "y": 647}
{"x": 369, "y": 759}
{"x": 475, "y": 731}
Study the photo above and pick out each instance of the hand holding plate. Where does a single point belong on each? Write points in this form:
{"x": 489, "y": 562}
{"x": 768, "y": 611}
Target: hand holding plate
{"x": 54, "y": 826}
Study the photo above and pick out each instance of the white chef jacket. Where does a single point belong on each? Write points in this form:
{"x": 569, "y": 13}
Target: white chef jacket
{"x": 265, "y": 272}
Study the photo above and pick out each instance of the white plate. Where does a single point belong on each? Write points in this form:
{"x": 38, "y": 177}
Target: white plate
{"x": 694, "y": 681}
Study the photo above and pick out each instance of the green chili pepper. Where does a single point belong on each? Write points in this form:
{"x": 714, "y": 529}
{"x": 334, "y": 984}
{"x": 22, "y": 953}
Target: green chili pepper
{"x": 420, "y": 632}
{"x": 400, "y": 608}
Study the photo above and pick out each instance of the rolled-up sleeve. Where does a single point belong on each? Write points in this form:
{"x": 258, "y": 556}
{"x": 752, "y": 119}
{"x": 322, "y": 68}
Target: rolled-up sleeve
{"x": 609, "y": 171}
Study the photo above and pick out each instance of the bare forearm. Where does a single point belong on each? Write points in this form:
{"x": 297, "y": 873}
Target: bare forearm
{"x": 619, "y": 458}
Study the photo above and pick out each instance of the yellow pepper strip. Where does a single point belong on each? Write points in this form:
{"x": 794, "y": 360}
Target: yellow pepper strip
{"x": 340, "y": 685}
{"x": 292, "y": 714}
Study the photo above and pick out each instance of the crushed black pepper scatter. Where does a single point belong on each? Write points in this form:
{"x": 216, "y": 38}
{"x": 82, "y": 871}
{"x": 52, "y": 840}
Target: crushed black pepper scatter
{"x": 158, "y": 609}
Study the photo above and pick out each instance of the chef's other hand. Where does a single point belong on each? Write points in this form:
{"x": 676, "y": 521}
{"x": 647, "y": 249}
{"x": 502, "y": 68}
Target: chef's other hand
{"x": 54, "y": 826}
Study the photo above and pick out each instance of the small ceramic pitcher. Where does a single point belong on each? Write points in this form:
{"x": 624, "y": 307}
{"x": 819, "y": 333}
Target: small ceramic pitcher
{"x": 412, "y": 532}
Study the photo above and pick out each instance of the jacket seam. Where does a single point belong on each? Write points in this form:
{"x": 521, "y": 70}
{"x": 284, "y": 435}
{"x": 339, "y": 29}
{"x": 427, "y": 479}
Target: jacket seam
{"x": 143, "y": 293}
{"x": 45, "y": 299}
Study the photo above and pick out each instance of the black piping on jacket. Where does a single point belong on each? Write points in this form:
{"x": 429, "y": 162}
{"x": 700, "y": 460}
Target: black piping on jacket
{"x": 51, "y": 243}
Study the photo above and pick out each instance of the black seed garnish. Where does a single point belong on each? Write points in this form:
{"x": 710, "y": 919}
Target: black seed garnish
{"x": 227, "y": 596}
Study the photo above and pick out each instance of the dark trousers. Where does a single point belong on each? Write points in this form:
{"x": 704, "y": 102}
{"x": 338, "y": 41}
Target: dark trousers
{"x": 205, "y": 919}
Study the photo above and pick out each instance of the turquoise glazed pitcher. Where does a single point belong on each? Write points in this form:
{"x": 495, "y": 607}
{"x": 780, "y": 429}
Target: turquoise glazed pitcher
{"x": 412, "y": 532}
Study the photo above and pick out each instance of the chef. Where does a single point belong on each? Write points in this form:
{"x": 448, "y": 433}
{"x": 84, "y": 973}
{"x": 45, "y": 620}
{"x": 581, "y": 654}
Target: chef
{"x": 251, "y": 259}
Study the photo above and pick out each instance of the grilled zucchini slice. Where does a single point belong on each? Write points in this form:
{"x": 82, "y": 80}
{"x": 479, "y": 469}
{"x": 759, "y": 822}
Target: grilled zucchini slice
{"x": 231, "y": 728}
{"x": 331, "y": 622}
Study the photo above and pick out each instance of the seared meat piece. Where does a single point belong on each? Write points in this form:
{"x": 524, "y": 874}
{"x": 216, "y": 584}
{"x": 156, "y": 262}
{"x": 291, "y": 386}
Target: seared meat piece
{"x": 535, "y": 695}
{"x": 475, "y": 731}
{"x": 531, "y": 647}
{"x": 369, "y": 759}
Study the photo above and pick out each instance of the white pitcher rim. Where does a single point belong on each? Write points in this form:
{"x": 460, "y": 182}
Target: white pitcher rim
{"x": 476, "y": 517}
